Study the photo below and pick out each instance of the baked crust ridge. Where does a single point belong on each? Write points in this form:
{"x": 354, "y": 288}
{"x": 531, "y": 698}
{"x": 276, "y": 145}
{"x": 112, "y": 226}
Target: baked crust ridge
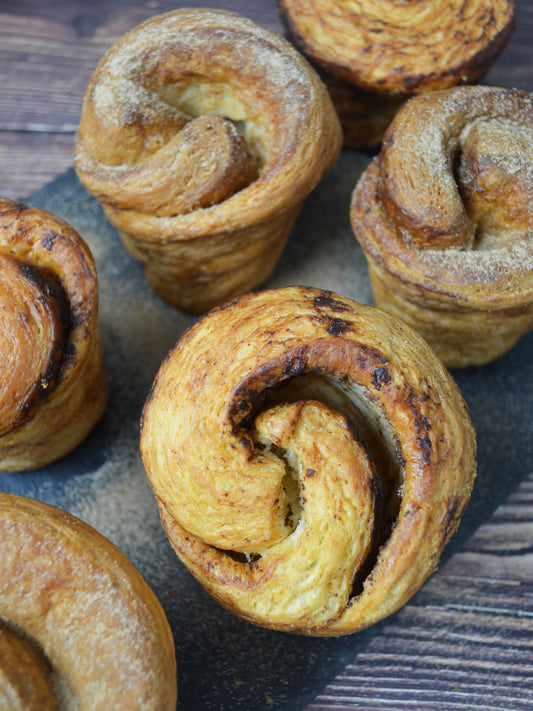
{"x": 310, "y": 457}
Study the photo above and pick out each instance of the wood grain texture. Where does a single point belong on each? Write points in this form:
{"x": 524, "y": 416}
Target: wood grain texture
{"x": 50, "y": 49}
{"x": 435, "y": 654}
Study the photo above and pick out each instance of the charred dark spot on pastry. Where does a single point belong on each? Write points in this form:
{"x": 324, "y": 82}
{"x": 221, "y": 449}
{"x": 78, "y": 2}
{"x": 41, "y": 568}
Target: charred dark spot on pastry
{"x": 76, "y": 319}
{"x": 245, "y": 441}
{"x": 370, "y": 357}
{"x": 422, "y": 425}
{"x": 411, "y": 510}
{"x": 421, "y": 421}
{"x": 412, "y": 81}
{"x": 338, "y": 326}
{"x": 289, "y": 517}
{"x": 55, "y": 302}
{"x": 249, "y": 396}
{"x": 245, "y": 404}
{"x": 380, "y": 533}
{"x": 399, "y": 455}
{"x": 380, "y": 377}
{"x": 270, "y": 378}
{"x": 32, "y": 274}
{"x": 296, "y": 363}
{"x": 25, "y": 411}
{"x": 48, "y": 239}
{"x": 267, "y": 374}
{"x": 328, "y": 300}
{"x": 377, "y": 492}
{"x": 310, "y": 473}
{"x": 426, "y": 447}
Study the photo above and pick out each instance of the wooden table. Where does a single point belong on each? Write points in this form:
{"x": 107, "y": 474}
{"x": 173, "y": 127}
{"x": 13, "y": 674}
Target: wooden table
{"x": 473, "y": 653}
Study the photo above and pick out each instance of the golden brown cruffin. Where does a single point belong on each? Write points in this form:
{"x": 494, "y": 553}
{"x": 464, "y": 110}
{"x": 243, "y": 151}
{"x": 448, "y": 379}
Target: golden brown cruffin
{"x": 373, "y": 55}
{"x": 79, "y": 626}
{"x": 310, "y": 456}
{"x": 445, "y": 218}
{"x": 53, "y": 387}
{"x": 201, "y": 134}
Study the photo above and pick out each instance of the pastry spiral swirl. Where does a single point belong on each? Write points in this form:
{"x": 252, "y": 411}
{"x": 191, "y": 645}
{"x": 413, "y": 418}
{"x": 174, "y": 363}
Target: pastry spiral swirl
{"x": 201, "y": 134}
{"x": 310, "y": 457}
{"x": 375, "y": 55}
{"x": 445, "y": 217}
{"x": 79, "y": 626}
{"x": 53, "y": 387}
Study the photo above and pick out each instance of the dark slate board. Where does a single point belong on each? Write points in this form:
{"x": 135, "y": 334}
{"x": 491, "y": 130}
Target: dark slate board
{"x": 226, "y": 664}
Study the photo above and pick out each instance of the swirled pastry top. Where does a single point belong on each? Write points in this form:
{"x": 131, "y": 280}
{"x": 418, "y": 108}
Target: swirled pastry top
{"x": 33, "y": 326}
{"x": 310, "y": 457}
{"x": 49, "y": 308}
{"x": 204, "y": 115}
{"x": 99, "y": 629}
{"x": 400, "y": 46}
{"x": 448, "y": 203}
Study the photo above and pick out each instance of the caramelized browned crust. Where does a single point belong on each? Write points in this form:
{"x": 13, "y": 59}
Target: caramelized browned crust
{"x": 201, "y": 134}
{"x": 374, "y": 55}
{"x": 77, "y": 619}
{"x": 445, "y": 217}
{"x": 24, "y": 675}
{"x": 310, "y": 457}
{"x": 53, "y": 388}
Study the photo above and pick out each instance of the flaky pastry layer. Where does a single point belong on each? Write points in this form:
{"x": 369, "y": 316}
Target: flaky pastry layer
{"x": 375, "y": 54}
{"x": 445, "y": 217}
{"x": 79, "y": 626}
{"x": 53, "y": 388}
{"x": 201, "y": 134}
{"x": 310, "y": 457}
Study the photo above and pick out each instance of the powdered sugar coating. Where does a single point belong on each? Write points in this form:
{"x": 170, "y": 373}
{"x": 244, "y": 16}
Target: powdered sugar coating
{"x": 93, "y": 617}
{"x": 195, "y": 62}
{"x": 455, "y": 180}
{"x": 206, "y": 48}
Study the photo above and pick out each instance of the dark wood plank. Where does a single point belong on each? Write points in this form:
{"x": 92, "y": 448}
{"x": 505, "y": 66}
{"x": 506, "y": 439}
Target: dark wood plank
{"x": 30, "y": 159}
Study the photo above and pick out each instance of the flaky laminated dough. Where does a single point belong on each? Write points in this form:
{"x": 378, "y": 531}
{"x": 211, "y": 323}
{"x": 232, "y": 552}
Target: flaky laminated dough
{"x": 53, "y": 388}
{"x": 374, "y": 54}
{"x": 310, "y": 457}
{"x": 201, "y": 134}
{"x": 444, "y": 215}
{"x": 80, "y": 629}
